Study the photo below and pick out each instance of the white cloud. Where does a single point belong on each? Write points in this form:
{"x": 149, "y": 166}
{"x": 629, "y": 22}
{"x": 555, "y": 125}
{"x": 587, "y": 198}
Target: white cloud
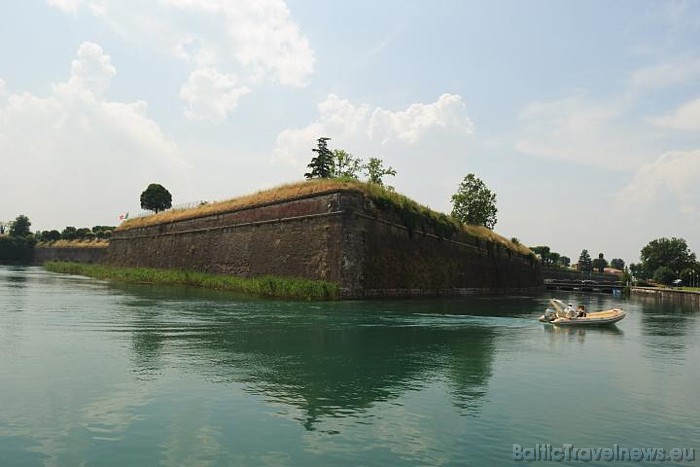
{"x": 77, "y": 153}
{"x": 665, "y": 75}
{"x": 69, "y": 6}
{"x": 409, "y": 125}
{"x": 211, "y": 95}
{"x": 92, "y": 71}
{"x": 257, "y": 39}
{"x": 360, "y": 126}
{"x": 668, "y": 184}
{"x": 686, "y": 117}
{"x": 577, "y": 130}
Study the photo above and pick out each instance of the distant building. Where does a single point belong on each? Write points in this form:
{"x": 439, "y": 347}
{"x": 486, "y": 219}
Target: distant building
{"x": 617, "y": 272}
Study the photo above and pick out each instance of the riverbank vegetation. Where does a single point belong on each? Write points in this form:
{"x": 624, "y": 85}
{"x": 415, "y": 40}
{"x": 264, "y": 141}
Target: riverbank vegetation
{"x": 268, "y": 286}
{"x": 17, "y": 245}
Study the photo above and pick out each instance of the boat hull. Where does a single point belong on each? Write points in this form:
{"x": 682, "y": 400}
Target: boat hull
{"x": 600, "y": 318}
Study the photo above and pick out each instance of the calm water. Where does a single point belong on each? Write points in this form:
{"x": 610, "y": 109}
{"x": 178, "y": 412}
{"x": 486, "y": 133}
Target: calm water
{"x": 98, "y": 374}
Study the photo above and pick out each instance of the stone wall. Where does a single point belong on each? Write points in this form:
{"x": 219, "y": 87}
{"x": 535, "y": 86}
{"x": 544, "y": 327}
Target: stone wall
{"x": 340, "y": 237}
{"x": 43, "y": 254}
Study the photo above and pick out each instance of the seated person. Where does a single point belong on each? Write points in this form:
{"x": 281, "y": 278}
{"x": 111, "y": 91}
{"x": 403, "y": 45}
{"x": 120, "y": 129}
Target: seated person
{"x": 569, "y": 311}
{"x": 581, "y": 312}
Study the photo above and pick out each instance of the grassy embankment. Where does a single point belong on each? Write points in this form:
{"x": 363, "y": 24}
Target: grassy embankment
{"x": 277, "y": 287}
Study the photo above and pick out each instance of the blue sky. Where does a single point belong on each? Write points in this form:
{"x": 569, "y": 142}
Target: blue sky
{"x": 582, "y": 116}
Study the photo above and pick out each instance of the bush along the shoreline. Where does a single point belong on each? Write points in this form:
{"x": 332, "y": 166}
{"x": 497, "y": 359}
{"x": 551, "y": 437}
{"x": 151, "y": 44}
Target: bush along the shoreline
{"x": 16, "y": 249}
{"x": 267, "y": 286}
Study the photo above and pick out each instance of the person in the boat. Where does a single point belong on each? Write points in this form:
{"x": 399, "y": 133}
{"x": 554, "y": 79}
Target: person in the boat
{"x": 581, "y": 312}
{"x": 570, "y": 311}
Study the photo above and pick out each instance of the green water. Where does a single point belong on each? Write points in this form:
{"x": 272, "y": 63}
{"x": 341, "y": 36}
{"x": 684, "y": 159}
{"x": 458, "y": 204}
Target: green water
{"x": 100, "y": 374}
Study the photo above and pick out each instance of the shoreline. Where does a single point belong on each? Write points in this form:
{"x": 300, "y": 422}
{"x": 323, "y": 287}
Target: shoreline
{"x": 265, "y": 287}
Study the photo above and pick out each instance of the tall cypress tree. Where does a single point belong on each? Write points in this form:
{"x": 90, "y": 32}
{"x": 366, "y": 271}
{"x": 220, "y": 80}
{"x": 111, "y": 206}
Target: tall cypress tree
{"x": 322, "y": 164}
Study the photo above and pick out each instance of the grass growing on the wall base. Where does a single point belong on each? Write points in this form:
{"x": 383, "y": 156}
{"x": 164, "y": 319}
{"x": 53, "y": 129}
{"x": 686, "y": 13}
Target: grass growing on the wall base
{"x": 267, "y": 286}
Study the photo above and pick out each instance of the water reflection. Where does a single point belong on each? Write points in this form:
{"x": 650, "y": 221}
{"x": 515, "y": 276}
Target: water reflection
{"x": 328, "y": 360}
{"x": 564, "y": 335}
{"x": 665, "y": 326}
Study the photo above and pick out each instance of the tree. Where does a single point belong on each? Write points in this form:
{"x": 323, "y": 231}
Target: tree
{"x": 600, "y": 263}
{"x": 584, "y": 262}
{"x": 547, "y": 257}
{"x": 665, "y": 275}
{"x": 156, "y": 198}
{"x": 376, "y": 171}
{"x": 617, "y": 263}
{"x": 565, "y": 261}
{"x": 474, "y": 203}
{"x": 637, "y": 271}
{"x": 20, "y": 227}
{"x": 322, "y": 164}
{"x": 345, "y": 165}
{"x": 673, "y": 253}
{"x": 69, "y": 233}
{"x": 52, "y": 236}
{"x": 689, "y": 275}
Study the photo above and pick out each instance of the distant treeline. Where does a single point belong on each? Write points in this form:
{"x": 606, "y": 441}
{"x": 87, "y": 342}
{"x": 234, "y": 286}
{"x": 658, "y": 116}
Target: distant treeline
{"x": 100, "y": 232}
{"x": 17, "y": 243}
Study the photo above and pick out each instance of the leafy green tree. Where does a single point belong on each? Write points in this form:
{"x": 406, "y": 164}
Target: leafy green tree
{"x": 322, "y": 164}
{"x": 52, "y": 236}
{"x": 474, "y": 203}
{"x": 83, "y": 233}
{"x": 600, "y": 263}
{"x": 672, "y": 253}
{"x": 69, "y": 233}
{"x": 664, "y": 275}
{"x": 156, "y": 198}
{"x": 547, "y": 257}
{"x": 687, "y": 276}
{"x": 345, "y": 165}
{"x": 565, "y": 261}
{"x": 376, "y": 171}
{"x": 20, "y": 227}
{"x": 637, "y": 270}
{"x": 103, "y": 231}
{"x": 584, "y": 262}
{"x": 617, "y": 263}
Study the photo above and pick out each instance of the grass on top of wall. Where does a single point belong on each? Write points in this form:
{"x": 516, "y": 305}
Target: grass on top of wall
{"x": 267, "y": 286}
{"x": 96, "y": 243}
{"x": 263, "y": 197}
{"x": 411, "y": 212}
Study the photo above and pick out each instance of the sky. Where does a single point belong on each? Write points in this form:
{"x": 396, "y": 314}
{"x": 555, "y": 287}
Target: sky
{"x": 583, "y": 117}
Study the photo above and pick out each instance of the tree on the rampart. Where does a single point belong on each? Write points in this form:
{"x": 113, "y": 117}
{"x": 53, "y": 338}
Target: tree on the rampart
{"x": 322, "y": 164}
{"x": 345, "y": 165}
{"x": 156, "y": 198}
{"x": 376, "y": 171}
{"x": 474, "y": 203}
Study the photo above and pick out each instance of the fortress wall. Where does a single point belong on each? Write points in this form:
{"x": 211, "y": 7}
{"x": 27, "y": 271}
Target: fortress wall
{"x": 339, "y": 237}
{"x": 43, "y": 254}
